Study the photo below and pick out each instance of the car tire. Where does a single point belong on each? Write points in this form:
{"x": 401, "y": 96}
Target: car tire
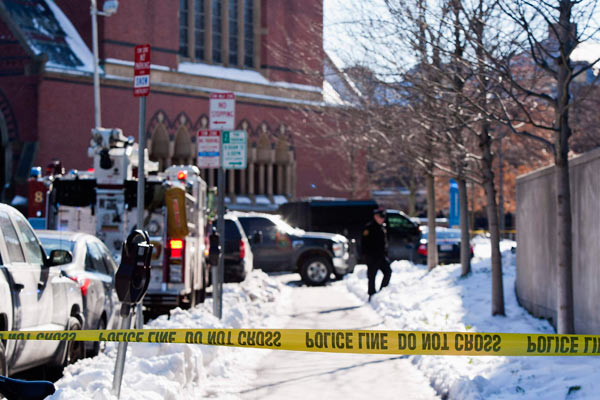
{"x": 3, "y": 364}
{"x": 75, "y": 349}
{"x": 315, "y": 270}
{"x": 98, "y": 347}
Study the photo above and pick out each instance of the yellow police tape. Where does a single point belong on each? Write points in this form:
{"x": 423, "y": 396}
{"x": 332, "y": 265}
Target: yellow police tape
{"x": 344, "y": 341}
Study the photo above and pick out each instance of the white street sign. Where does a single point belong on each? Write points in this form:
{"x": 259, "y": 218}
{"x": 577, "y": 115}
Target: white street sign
{"x": 209, "y": 148}
{"x": 222, "y": 111}
{"x": 234, "y": 145}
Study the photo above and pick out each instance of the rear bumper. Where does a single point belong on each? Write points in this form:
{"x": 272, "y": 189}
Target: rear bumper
{"x": 169, "y": 297}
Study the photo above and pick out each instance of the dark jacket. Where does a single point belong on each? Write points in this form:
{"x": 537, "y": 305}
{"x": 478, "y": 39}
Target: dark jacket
{"x": 374, "y": 241}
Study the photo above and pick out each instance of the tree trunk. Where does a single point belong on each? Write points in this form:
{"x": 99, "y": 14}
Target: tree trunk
{"x": 492, "y": 215}
{"x": 432, "y": 253}
{"x": 564, "y": 314}
{"x": 501, "y": 189}
{"x": 465, "y": 237}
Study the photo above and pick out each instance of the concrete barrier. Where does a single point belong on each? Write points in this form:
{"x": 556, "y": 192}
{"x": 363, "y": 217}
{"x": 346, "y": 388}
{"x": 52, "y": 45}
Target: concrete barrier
{"x": 536, "y": 284}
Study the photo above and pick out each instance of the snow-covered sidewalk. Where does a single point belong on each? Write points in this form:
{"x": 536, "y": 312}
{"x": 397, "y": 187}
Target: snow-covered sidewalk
{"x": 416, "y": 299}
{"x": 443, "y": 301}
{"x": 184, "y": 371}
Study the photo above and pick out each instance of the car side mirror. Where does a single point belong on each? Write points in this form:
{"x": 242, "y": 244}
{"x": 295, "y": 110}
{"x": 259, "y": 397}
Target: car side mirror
{"x": 257, "y": 237}
{"x": 214, "y": 249}
{"x": 60, "y": 257}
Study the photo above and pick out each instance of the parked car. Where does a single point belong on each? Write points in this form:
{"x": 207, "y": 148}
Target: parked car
{"x": 93, "y": 268}
{"x": 238, "y": 254}
{"x": 448, "y": 244}
{"x": 36, "y": 296}
{"x": 277, "y": 246}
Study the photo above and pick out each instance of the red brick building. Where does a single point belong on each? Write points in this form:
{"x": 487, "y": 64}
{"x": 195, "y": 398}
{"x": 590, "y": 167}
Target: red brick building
{"x": 268, "y": 52}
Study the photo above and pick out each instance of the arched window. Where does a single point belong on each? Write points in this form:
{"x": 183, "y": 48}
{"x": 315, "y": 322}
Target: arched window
{"x": 183, "y": 144}
{"x": 159, "y": 148}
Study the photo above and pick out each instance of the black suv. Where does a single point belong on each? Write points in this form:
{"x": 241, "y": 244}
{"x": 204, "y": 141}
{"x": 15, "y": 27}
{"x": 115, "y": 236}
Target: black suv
{"x": 349, "y": 217}
{"x": 279, "y": 247}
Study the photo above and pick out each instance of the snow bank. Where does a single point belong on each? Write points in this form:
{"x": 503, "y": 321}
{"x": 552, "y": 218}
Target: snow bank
{"x": 442, "y": 300}
{"x": 185, "y": 371}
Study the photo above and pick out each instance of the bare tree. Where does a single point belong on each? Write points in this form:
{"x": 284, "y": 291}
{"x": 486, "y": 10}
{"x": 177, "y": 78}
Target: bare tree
{"x": 551, "y": 30}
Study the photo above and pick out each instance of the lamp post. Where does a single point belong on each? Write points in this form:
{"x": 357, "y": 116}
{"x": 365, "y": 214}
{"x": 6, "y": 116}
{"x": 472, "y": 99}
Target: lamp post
{"x": 108, "y": 9}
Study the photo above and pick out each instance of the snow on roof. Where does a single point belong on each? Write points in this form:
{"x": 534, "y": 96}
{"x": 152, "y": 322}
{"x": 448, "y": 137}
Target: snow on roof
{"x": 76, "y": 44}
{"x": 279, "y": 199}
{"x": 48, "y": 31}
{"x": 261, "y": 199}
{"x": 238, "y": 75}
{"x": 129, "y": 63}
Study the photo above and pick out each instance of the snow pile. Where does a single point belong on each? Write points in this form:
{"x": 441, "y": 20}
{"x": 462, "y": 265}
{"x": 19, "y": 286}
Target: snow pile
{"x": 442, "y": 300}
{"x": 185, "y": 371}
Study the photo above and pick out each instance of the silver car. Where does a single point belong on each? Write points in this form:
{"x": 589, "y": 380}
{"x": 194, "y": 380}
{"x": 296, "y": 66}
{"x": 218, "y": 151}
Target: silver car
{"x": 93, "y": 268}
{"x": 34, "y": 295}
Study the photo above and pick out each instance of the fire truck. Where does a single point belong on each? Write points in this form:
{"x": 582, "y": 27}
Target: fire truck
{"x": 103, "y": 201}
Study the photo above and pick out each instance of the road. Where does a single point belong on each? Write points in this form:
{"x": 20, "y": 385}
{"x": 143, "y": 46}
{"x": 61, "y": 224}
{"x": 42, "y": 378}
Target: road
{"x": 302, "y": 375}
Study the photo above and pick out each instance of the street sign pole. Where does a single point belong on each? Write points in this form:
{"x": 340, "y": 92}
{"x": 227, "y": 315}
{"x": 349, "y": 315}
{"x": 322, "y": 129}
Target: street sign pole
{"x": 140, "y": 188}
{"x": 222, "y": 117}
{"x": 219, "y": 271}
{"x": 141, "y": 88}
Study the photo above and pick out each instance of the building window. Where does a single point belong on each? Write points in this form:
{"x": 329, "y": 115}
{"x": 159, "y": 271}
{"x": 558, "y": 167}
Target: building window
{"x": 218, "y": 31}
{"x": 233, "y": 32}
{"x": 249, "y": 33}
{"x": 199, "y": 29}
{"x": 183, "y": 27}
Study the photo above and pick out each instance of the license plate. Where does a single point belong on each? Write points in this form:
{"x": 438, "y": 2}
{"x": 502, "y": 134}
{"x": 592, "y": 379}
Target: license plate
{"x": 446, "y": 247}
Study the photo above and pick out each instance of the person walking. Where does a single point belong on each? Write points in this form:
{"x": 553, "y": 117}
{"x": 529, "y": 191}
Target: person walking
{"x": 374, "y": 250}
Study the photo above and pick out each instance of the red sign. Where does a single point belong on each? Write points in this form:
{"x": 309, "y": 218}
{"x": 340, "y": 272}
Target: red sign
{"x": 141, "y": 70}
{"x": 209, "y": 148}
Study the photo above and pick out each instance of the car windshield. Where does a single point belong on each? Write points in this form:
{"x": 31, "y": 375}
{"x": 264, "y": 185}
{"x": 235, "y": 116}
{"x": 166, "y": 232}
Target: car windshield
{"x": 50, "y": 244}
{"x": 445, "y": 234}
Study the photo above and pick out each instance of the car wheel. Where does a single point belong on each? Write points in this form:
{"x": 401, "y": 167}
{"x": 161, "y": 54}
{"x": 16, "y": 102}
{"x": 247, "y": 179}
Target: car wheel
{"x": 75, "y": 349}
{"x": 98, "y": 347}
{"x": 316, "y": 270}
{"x": 3, "y": 365}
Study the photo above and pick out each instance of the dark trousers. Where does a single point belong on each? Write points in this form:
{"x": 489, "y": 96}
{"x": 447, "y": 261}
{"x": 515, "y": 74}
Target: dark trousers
{"x": 374, "y": 265}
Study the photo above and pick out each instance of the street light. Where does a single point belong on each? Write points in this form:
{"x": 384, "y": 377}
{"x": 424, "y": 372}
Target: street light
{"x": 108, "y": 9}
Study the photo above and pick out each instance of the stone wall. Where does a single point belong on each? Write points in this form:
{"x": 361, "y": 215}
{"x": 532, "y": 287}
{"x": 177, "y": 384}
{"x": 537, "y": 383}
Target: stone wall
{"x": 536, "y": 284}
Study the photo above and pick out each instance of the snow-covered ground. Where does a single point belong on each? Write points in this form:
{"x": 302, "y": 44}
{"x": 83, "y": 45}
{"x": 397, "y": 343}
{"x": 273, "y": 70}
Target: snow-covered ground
{"x": 183, "y": 371}
{"x": 441, "y": 300}
{"x": 415, "y": 300}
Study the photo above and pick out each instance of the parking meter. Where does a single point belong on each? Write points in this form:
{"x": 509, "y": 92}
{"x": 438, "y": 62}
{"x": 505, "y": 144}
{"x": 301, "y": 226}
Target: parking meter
{"x": 133, "y": 276}
{"x": 214, "y": 249}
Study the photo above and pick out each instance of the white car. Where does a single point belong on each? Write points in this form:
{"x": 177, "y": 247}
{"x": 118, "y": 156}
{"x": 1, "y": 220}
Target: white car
{"x": 93, "y": 268}
{"x": 36, "y": 296}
